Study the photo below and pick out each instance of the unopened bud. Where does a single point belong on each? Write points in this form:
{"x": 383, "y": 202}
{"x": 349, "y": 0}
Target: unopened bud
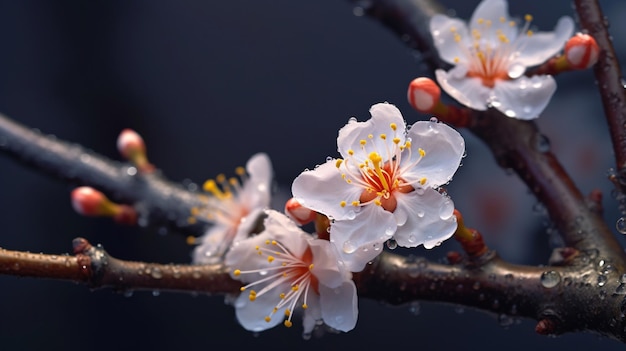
{"x": 424, "y": 94}
{"x": 299, "y": 213}
{"x": 581, "y": 51}
{"x": 132, "y": 147}
{"x": 88, "y": 201}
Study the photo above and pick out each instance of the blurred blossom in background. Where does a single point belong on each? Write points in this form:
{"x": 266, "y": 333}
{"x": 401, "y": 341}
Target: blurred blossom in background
{"x": 208, "y": 84}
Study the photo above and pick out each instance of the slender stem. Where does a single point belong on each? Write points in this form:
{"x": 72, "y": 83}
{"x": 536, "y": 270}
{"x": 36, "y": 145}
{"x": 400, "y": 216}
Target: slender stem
{"x": 609, "y": 78}
{"x": 158, "y": 201}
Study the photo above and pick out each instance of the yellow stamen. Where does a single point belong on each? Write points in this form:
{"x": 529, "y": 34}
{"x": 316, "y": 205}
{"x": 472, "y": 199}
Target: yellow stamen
{"x": 423, "y": 181}
{"x": 338, "y": 163}
{"x": 240, "y": 171}
{"x": 342, "y": 204}
{"x": 270, "y": 259}
{"x": 528, "y": 17}
{"x": 305, "y": 306}
{"x": 383, "y": 136}
{"x": 268, "y": 319}
{"x": 376, "y": 160}
{"x": 393, "y": 126}
{"x": 288, "y": 324}
{"x": 237, "y": 272}
{"x": 422, "y": 152}
{"x": 396, "y": 140}
{"x": 355, "y": 203}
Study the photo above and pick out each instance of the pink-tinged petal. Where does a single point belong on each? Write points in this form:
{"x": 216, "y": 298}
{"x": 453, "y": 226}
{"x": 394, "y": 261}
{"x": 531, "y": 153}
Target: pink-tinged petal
{"x": 443, "y": 147}
{"x": 542, "y": 46}
{"x": 444, "y": 30}
{"x": 430, "y": 219}
{"x": 524, "y": 98}
{"x": 383, "y": 115}
{"x": 215, "y": 243}
{"x": 467, "y": 91}
{"x": 285, "y": 231}
{"x": 327, "y": 267}
{"x": 256, "y": 189}
{"x": 244, "y": 256}
{"x": 323, "y": 189}
{"x": 251, "y": 314}
{"x": 360, "y": 240}
{"x": 339, "y": 306}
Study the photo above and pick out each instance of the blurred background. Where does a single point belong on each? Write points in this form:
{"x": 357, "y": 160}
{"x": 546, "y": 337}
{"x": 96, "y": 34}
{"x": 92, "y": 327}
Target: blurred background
{"x": 210, "y": 83}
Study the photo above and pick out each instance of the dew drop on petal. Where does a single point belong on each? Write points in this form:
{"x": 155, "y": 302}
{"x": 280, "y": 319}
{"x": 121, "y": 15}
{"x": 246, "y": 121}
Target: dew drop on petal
{"x": 352, "y": 120}
{"x": 446, "y": 210}
{"x": 348, "y": 247}
{"x": 510, "y": 113}
{"x": 392, "y": 244}
{"x": 390, "y": 231}
{"x": 434, "y": 119}
{"x": 350, "y": 214}
{"x": 412, "y": 238}
{"x": 420, "y": 213}
{"x": 516, "y": 71}
{"x": 550, "y": 279}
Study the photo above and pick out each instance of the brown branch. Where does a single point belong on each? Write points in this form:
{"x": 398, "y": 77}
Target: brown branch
{"x": 609, "y": 78}
{"x": 554, "y": 296}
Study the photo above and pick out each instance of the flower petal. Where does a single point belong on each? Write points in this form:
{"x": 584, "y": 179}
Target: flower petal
{"x": 323, "y": 189}
{"x": 312, "y": 314}
{"x": 327, "y": 267}
{"x": 251, "y": 314}
{"x": 339, "y": 306}
{"x": 467, "y": 91}
{"x": 282, "y": 229}
{"x": 360, "y": 240}
{"x": 430, "y": 219}
{"x": 444, "y": 31}
{"x": 256, "y": 189}
{"x": 443, "y": 146}
{"x": 383, "y": 115}
{"x": 523, "y": 98}
{"x": 491, "y": 20}
{"x": 542, "y": 46}
{"x": 243, "y": 256}
{"x": 215, "y": 242}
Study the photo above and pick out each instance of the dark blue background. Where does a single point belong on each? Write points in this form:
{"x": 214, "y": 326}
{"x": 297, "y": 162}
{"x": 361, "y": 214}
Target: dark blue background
{"x": 209, "y": 83}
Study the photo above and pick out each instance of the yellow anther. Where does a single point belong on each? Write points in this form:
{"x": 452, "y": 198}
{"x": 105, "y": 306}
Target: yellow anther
{"x": 282, "y": 295}
{"x": 257, "y": 247}
{"x": 243, "y": 288}
{"x": 407, "y": 144}
{"x": 233, "y": 181}
{"x": 355, "y": 203}
{"x": 209, "y": 185}
{"x": 503, "y": 38}
{"x": 456, "y": 60}
{"x": 423, "y": 181}
{"x": 342, "y": 204}
{"x": 528, "y": 17}
{"x": 480, "y": 21}
{"x": 252, "y": 297}
{"x": 311, "y": 266}
{"x": 195, "y": 211}
{"x": 393, "y": 126}
{"x": 502, "y": 19}
{"x": 422, "y": 152}
{"x": 488, "y": 23}
{"x": 529, "y": 33}
{"x": 362, "y": 142}
{"x": 457, "y": 38}
{"x": 453, "y": 29}
{"x": 191, "y": 240}
{"x": 295, "y": 287}
{"x": 377, "y": 202}
{"x": 274, "y": 310}
{"x": 349, "y": 181}
{"x": 267, "y": 242}
{"x": 237, "y": 272}
{"x": 287, "y": 312}
{"x": 288, "y": 324}
{"x": 370, "y": 136}
{"x": 396, "y": 140}
{"x": 305, "y": 306}
{"x": 268, "y": 319}
{"x": 221, "y": 178}
{"x": 274, "y": 242}
{"x": 375, "y": 157}
{"x": 338, "y": 163}
{"x": 283, "y": 264}
{"x": 253, "y": 292}
{"x": 383, "y": 136}
{"x": 270, "y": 259}
{"x": 512, "y": 24}
{"x": 350, "y": 152}
{"x": 240, "y": 171}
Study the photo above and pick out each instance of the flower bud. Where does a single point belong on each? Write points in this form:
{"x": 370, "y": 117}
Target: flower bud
{"x": 132, "y": 147}
{"x": 299, "y": 213}
{"x": 88, "y": 201}
{"x": 424, "y": 94}
{"x": 581, "y": 51}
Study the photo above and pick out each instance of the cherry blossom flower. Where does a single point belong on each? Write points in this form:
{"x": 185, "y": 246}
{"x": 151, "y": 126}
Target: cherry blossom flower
{"x": 385, "y": 185}
{"x": 491, "y": 56}
{"x": 233, "y": 208}
{"x": 286, "y": 269}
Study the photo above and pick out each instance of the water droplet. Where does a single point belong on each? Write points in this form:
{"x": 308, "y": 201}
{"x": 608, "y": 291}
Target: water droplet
{"x": 510, "y": 113}
{"x": 392, "y": 244}
{"x": 620, "y": 225}
{"x": 446, "y": 210}
{"x": 602, "y": 294}
{"x": 156, "y": 293}
{"x": 420, "y": 213}
{"x": 550, "y": 279}
{"x": 131, "y": 171}
{"x": 434, "y": 119}
{"x": 516, "y": 70}
{"x": 412, "y": 238}
{"x": 459, "y": 310}
{"x": 390, "y": 231}
{"x": 352, "y": 120}
{"x": 602, "y": 280}
{"x": 156, "y": 273}
{"x": 348, "y": 247}
{"x": 542, "y": 143}
{"x": 621, "y": 289}
{"x": 128, "y": 293}
{"x": 306, "y": 336}
{"x": 505, "y": 321}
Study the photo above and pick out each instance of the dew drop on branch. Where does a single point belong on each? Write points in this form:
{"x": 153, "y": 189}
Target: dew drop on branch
{"x": 620, "y": 225}
{"x": 550, "y": 279}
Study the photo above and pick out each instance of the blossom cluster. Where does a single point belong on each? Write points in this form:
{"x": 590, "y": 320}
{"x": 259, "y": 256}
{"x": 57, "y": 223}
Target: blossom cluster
{"x": 386, "y": 184}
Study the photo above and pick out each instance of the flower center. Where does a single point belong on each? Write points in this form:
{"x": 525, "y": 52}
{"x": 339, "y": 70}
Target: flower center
{"x": 380, "y": 173}
{"x": 290, "y": 278}
{"x": 492, "y": 53}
